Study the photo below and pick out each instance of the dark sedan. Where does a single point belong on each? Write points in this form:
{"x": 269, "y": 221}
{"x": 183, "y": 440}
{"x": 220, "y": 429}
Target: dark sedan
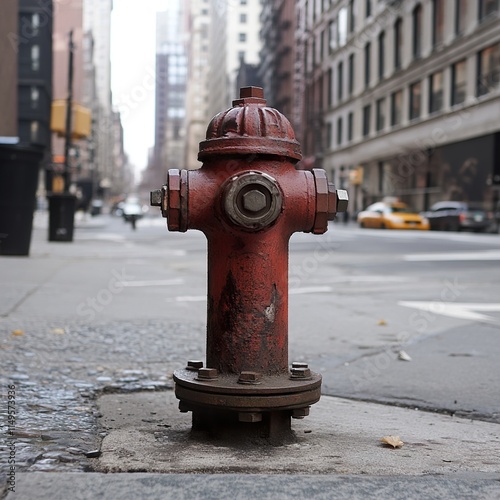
{"x": 458, "y": 216}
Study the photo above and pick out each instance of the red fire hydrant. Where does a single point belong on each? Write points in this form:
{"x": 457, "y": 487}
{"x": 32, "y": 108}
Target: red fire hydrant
{"x": 248, "y": 199}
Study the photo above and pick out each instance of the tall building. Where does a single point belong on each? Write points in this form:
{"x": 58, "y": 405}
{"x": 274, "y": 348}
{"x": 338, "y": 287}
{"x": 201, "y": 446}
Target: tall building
{"x": 197, "y": 93}
{"x": 278, "y": 54}
{"x": 97, "y": 22}
{"x": 403, "y": 98}
{"x": 234, "y": 37}
{"x": 170, "y": 99}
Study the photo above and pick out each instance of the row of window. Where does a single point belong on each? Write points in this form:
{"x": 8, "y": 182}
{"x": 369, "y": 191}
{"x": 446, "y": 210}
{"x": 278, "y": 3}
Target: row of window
{"x": 488, "y": 79}
{"x": 337, "y": 36}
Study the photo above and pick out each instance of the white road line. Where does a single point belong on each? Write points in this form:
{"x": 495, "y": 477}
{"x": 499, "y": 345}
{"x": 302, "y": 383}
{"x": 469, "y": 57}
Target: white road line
{"x": 460, "y": 310}
{"x": 310, "y": 289}
{"x": 486, "y": 255}
{"x": 175, "y": 281}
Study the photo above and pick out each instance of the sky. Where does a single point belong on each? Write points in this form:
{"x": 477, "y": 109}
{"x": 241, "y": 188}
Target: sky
{"x": 133, "y": 26}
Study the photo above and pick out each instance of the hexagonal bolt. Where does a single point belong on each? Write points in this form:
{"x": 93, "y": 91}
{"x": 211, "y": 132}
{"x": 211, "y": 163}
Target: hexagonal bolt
{"x": 207, "y": 374}
{"x": 301, "y": 412}
{"x": 300, "y": 373}
{"x": 155, "y": 198}
{"x": 249, "y": 417}
{"x": 194, "y": 365}
{"x": 342, "y": 200}
{"x": 299, "y": 364}
{"x": 248, "y": 377}
{"x": 254, "y": 201}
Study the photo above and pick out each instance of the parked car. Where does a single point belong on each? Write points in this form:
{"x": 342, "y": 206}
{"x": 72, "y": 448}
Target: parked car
{"x": 458, "y": 216}
{"x": 391, "y": 215}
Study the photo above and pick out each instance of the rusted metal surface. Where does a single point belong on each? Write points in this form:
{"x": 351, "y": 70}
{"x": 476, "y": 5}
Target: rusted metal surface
{"x": 248, "y": 199}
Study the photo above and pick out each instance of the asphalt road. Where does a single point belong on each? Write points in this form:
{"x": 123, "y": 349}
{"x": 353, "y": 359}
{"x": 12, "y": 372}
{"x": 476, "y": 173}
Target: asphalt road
{"x": 408, "y": 318}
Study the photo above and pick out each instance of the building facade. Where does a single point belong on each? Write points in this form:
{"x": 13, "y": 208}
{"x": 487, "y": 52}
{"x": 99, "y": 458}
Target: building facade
{"x": 403, "y": 97}
{"x": 234, "y": 37}
{"x": 197, "y": 95}
{"x": 278, "y": 56}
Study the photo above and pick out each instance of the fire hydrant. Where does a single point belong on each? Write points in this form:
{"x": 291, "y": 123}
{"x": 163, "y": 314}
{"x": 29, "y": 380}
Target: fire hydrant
{"x": 248, "y": 199}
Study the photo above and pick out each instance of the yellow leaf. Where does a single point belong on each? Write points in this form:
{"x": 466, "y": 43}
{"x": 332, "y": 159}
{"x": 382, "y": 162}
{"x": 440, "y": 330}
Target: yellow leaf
{"x": 58, "y": 331}
{"x": 17, "y": 333}
{"x": 393, "y": 441}
{"x": 382, "y": 322}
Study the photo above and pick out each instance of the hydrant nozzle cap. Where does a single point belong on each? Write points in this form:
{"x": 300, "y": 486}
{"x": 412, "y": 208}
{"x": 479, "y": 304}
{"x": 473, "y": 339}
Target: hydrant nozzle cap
{"x": 250, "y": 127}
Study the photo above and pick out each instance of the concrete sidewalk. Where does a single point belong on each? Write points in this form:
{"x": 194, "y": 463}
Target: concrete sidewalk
{"x": 148, "y": 451}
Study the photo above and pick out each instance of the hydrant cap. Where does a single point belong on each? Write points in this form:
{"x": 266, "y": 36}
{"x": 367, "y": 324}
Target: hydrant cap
{"x": 250, "y": 127}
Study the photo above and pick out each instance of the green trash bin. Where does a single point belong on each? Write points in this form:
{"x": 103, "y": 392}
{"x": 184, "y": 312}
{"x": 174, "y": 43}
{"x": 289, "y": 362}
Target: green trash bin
{"x": 19, "y": 167}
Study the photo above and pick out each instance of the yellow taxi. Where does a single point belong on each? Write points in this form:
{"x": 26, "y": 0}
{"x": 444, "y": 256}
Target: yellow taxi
{"x": 391, "y": 215}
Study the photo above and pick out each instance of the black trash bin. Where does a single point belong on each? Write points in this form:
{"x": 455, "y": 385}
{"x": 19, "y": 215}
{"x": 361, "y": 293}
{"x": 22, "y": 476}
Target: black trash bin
{"x": 61, "y": 216}
{"x": 19, "y": 167}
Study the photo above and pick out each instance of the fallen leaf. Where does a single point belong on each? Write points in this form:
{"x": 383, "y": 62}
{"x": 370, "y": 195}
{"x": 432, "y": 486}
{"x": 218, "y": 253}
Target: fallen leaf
{"x": 58, "y": 331}
{"x": 382, "y": 322}
{"x": 404, "y": 356}
{"x": 393, "y": 441}
{"x": 17, "y": 333}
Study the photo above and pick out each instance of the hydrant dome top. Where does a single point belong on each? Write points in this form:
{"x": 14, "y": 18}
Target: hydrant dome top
{"x": 250, "y": 127}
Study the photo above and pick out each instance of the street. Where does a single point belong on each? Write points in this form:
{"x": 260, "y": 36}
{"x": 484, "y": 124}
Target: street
{"x": 405, "y": 318}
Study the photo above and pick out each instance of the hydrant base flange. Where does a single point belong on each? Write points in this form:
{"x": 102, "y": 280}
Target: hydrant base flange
{"x": 273, "y": 393}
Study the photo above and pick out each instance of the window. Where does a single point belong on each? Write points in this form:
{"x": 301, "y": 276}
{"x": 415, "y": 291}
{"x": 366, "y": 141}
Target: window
{"x": 417, "y": 31}
{"x": 242, "y": 37}
{"x": 436, "y": 92}
{"x": 488, "y": 70}
{"x": 366, "y": 120}
{"x": 329, "y": 135}
{"x": 34, "y": 132}
{"x": 35, "y": 24}
{"x": 368, "y": 48}
{"x": 460, "y": 16}
{"x": 415, "y": 100}
{"x": 398, "y": 43}
{"x": 329, "y": 91}
{"x": 340, "y": 81}
{"x": 241, "y": 55}
{"x": 243, "y": 18}
{"x": 458, "y": 82}
{"x": 322, "y": 46}
{"x": 34, "y": 97}
{"x": 350, "y": 75}
{"x": 339, "y": 131}
{"x": 380, "y": 114}
{"x": 332, "y": 37}
{"x": 437, "y": 22}
{"x": 368, "y": 8}
{"x": 342, "y": 27}
{"x": 381, "y": 55}
{"x": 350, "y": 120}
{"x": 35, "y": 57}
{"x": 396, "y": 107}
{"x": 352, "y": 18}
{"x": 486, "y": 8}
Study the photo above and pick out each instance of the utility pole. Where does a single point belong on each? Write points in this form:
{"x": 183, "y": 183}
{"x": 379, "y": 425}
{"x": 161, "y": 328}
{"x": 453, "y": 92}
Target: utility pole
{"x": 69, "y": 105}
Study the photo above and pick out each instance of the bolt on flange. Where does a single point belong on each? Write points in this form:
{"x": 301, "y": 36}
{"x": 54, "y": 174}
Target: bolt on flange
{"x": 251, "y": 378}
{"x": 207, "y": 374}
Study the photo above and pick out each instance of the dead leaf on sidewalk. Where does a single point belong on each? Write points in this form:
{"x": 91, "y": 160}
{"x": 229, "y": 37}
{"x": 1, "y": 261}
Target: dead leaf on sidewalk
{"x": 17, "y": 333}
{"x": 58, "y": 331}
{"x": 393, "y": 441}
{"x": 382, "y": 322}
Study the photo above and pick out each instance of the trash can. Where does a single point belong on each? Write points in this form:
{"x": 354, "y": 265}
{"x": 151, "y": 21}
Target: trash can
{"x": 19, "y": 167}
{"x": 61, "y": 216}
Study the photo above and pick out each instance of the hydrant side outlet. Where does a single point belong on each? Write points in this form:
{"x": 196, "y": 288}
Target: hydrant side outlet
{"x": 248, "y": 199}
